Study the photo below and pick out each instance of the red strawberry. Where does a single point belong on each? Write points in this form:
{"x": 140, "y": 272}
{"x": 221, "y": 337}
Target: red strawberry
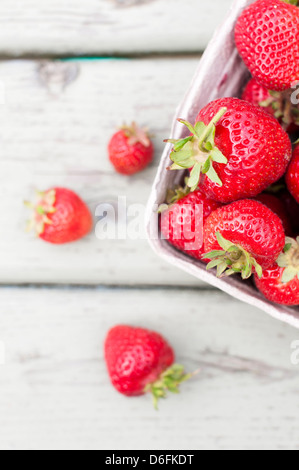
{"x": 240, "y": 149}
{"x": 244, "y": 236}
{"x": 60, "y": 216}
{"x": 130, "y": 150}
{"x": 291, "y": 209}
{"x": 292, "y": 176}
{"x": 267, "y": 38}
{"x": 182, "y": 222}
{"x": 278, "y": 207}
{"x": 280, "y": 284}
{"x": 141, "y": 361}
{"x": 255, "y": 93}
{"x": 278, "y": 104}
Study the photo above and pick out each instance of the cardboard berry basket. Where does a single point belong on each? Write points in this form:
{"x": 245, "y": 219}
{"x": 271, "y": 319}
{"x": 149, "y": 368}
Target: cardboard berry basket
{"x": 228, "y": 78}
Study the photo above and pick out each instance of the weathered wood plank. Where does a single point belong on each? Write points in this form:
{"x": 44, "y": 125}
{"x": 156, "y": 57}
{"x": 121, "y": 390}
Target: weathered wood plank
{"x": 55, "y": 393}
{"x": 107, "y": 26}
{"x": 54, "y": 129}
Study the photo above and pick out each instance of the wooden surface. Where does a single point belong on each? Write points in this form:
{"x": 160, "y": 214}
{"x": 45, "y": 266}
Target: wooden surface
{"x": 55, "y": 133}
{"x": 98, "y": 27}
{"x": 55, "y": 120}
{"x": 55, "y": 392}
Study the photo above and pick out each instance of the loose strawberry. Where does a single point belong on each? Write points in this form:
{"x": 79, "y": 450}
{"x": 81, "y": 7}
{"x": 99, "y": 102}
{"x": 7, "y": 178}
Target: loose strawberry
{"x": 60, "y": 216}
{"x": 278, "y": 207}
{"x": 278, "y": 104}
{"x": 130, "y": 150}
{"x": 239, "y": 148}
{"x": 292, "y": 176}
{"x": 141, "y": 361}
{"x": 280, "y": 284}
{"x": 182, "y": 222}
{"x": 243, "y": 237}
{"x": 267, "y": 38}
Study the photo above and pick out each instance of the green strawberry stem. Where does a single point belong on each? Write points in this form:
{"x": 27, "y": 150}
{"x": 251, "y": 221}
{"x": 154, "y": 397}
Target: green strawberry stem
{"x": 169, "y": 381}
{"x": 291, "y": 2}
{"x": 289, "y": 260}
{"x": 232, "y": 259}
{"x": 212, "y": 124}
{"x": 198, "y": 151}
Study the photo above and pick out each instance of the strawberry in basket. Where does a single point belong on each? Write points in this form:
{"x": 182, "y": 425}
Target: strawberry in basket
{"x": 243, "y": 237}
{"x": 267, "y": 38}
{"x": 280, "y": 284}
{"x": 182, "y": 221}
{"x": 278, "y": 207}
{"x": 292, "y": 176}
{"x": 278, "y": 103}
{"x": 235, "y": 150}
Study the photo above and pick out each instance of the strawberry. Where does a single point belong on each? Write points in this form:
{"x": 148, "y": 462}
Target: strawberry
{"x": 182, "y": 222}
{"x": 278, "y": 207}
{"x": 60, "y": 216}
{"x": 267, "y": 38}
{"x": 292, "y": 176}
{"x": 255, "y": 93}
{"x": 277, "y": 103}
{"x": 130, "y": 150}
{"x": 280, "y": 284}
{"x": 291, "y": 209}
{"x": 239, "y": 148}
{"x": 244, "y": 237}
{"x": 141, "y": 361}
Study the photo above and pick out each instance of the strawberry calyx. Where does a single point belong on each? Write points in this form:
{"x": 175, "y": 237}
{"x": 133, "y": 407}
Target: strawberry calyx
{"x": 284, "y": 110}
{"x": 232, "y": 259}
{"x": 174, "y": 195}
{"x": 291, "y": 2}
{"x": 198, "y": 151}
{"x": 42, "y": 208}
{"x": 169, "y": 381}
{"x": 289, "y": 260}
{"x": 136, "y": 135}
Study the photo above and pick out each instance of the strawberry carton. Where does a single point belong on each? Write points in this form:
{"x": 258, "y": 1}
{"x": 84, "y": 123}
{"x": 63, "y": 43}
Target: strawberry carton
{"x": 222, "y": 56}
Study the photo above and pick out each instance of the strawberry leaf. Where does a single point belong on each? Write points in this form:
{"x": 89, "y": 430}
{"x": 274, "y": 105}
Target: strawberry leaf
{"x": 194, "y": 177}
{"x": 212, "y": 175}
{"x": 198, "y": 150}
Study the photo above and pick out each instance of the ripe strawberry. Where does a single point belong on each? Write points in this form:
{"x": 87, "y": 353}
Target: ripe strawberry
{"x": 141, "y": 361}
{"x": 292, "y": 176}
{"x": 267, "y": 38}
{"x": 130, "y": 150}
{"x": 291, "y": 209}
{"x": 280, "y": 284}
{"x": 244, "y": 236}
{"x": 277, "y": 206}
{"x": 278, "y": 104}
{"x": 240, "y": 149}
{"x": 60, "y": 216}
{"x": 182, "y": 222}
{"x": 255, "y": 93}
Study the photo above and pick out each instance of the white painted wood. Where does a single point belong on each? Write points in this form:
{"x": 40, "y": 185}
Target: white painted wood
{"x": 54, "y": 127}
{"x": 107, "y": 26}
{"x": 55, "y": 393}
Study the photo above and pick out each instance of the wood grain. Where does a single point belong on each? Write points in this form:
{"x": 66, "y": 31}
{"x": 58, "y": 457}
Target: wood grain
{"x": 55, "y": 393}
{"x": 54, "y": 127}
{"x": 64, "y": 27}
